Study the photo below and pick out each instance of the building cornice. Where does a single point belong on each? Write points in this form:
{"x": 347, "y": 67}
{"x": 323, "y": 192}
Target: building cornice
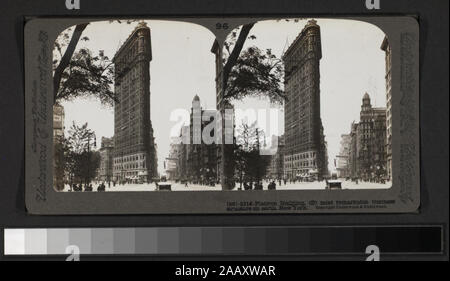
{"x": 311, "y": 24}
{"x": 140, "y": 26}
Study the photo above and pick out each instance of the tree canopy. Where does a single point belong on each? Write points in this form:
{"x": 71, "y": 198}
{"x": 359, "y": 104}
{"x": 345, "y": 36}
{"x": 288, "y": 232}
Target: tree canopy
{"x": 251, "y": 72}
{"x": 82, "y": 73}
{"x": 249, "y": 163}
{"x": 75, "y": 154}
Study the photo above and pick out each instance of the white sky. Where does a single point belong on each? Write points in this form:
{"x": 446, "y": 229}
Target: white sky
{"x": 182, "y": 66}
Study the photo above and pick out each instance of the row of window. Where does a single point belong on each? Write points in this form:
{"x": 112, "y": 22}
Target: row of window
{"x": 305, "y": 155}
{"x": 299, "y": 164}
{"x": 128, "y": 56}
{"x": 136, "y": 165}
{"x": 118, "y": 173}
{"x": 129, "y": 158}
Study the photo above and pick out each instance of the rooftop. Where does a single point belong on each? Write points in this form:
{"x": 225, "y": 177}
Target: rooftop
{"x": 141, "y": 25}
{"x": 310, "y": 23}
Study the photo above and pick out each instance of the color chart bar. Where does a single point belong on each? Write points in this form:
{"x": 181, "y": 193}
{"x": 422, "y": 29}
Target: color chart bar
{"x": 224, "y": 240}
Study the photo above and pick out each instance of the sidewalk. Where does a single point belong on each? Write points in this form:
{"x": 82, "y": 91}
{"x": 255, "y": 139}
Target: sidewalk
{"x": 218, "y": 187}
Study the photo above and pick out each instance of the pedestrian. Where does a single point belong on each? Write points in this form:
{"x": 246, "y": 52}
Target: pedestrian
{"x": 271, "y": 185}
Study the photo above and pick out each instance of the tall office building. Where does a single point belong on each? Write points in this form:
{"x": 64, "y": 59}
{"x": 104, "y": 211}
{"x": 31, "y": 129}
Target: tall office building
{"x": 202, "y": 157}
{"x": 388, "y": 62}
{"x": 371, "y": 141}
{"x": 134, "y": 147}
{"x": 183, "y": 151}
{"x": 342, "y": 165}
{"x": 171, "y": 162}
{"x": 305, "y": 147}
{"x": 105, "y": 171}
{"x": 353, "y": 151}
{"x": 275, "y": 170}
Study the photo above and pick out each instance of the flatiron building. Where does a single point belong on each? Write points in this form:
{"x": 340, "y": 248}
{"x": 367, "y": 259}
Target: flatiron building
{"x": 134, "y": 145}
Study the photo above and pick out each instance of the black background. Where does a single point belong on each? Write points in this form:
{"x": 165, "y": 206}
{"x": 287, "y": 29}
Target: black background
{"x": 434, "y": 100}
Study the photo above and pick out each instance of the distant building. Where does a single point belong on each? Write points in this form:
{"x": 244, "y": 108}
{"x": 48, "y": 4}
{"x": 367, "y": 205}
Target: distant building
{"x": 353, "y": 151}
{"x": 342, "y": 165}
{"x": 201, "y": 156}
{"x": 58, "y": 121}
{"x": 372, "y": 140}
{"x": 171, "y": 164}
{"x": 105, "y": 172}
{"x": 305, "y": 146}
{"x": 134, "y": 147}
{"x": 183, "y": 150}
{"x": 276, "y": 166}
{"x": 388, "y": 62}
{"x": 367, "y": 153}
{"x": 196, "y": 160}
{"x": 323, "y": 171}
{"x": 365, "y": 138}
{"x": 58, "y": 136}
{"x": 378, "y": 150}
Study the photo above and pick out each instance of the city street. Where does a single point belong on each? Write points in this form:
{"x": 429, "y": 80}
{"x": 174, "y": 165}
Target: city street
{"x": 196, "y": 187}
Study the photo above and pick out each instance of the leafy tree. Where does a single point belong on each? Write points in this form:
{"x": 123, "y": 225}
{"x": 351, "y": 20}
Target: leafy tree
{"x": 61, "y": 164}
{"x": 60, "y": 64}
{"x": 256, "y": 73}
{"x": 249, "y": 163}
{"x": 251, "y": 72}
{"x": 81, "y": 73}
{"x": 246, "y": 136}
{"x": 242, "y": 149}
{"x": 88, "y": 75}
{"x": 80, "y": 138}
{"x": 81, "y": 161}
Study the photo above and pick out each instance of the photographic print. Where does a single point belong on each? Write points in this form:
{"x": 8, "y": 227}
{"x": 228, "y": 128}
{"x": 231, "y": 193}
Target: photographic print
{"x": 329, "y": 81}
{"x": 153, "y": 130}
{"x": 213, "y": 115}
{"x": 113, "y": 110}
{"x": 138, "y": 106}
